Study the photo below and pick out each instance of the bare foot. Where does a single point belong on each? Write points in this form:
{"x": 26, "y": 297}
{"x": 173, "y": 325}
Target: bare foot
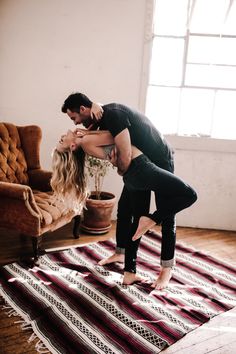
{"x": 115, "y": 257}
{"x": 131, "y": 278}
{"x": 163, "y": 279}
{"x": 144, "y": 225}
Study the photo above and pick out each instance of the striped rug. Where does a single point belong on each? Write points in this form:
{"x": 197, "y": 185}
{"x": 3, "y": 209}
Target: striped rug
{"x": 75, "y": 306}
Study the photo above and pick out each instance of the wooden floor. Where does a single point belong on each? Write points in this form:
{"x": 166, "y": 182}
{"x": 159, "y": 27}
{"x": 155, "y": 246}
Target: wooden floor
{"x": 218, "y": 336}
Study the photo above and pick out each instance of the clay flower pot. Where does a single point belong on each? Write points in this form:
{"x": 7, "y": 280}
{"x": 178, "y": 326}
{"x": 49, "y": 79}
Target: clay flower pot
{"x": 97, "y": 216}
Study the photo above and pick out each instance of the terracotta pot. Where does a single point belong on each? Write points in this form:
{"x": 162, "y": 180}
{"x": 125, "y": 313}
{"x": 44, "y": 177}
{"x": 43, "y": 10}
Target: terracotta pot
{"x": 97, "y": 216}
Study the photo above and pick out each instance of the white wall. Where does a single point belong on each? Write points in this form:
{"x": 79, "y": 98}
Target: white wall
{"x": 50, "y": 48}
{"x": 209, "y": 165}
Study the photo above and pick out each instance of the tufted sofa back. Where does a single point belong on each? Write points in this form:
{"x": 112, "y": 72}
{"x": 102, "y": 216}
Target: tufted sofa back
{"x": 17, "y": 153}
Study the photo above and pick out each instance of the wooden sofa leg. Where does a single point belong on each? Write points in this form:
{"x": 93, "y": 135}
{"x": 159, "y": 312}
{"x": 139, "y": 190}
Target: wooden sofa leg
{"x": 36, "y": 241}
{"x": 76, "y": 227}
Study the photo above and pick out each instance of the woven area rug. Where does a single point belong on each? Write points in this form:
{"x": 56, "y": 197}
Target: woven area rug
{"x": 75, "y": 306}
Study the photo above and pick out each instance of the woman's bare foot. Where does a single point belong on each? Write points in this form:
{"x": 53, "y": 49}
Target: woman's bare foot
{"x": 163, "y": 279}
{"x": 131, "y": 278}
{"x": 115, "y": 257}
{"x": 144, "y": 225}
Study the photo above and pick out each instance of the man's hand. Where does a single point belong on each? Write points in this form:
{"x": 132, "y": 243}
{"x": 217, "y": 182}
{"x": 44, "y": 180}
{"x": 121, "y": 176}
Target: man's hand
{"x": 96, "y": 111}
{"x": 80, "y": 131}
{"x": 113, "y": 157}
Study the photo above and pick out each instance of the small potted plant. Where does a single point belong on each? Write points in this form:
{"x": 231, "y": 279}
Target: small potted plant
{"x": 100, "y": 204}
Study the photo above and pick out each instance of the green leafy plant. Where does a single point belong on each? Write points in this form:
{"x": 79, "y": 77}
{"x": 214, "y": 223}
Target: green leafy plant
{"x": 97, "y": 169}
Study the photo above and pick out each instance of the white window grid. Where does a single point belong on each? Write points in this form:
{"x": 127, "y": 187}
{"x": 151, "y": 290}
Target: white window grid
{"x": 175, "y": 124}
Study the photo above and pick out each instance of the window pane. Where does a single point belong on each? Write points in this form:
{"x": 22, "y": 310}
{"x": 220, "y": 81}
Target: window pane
{"x": 211, "y": 76}
{"x": 196, "y": 112}
{"x": 230, "y": 24}
{"x": 167, "y": 61}
{"x": 208, "y": 16}
{"x": 162, "y": 107}
{"x": 170, "y": 17}
{"x": 224, "y": 115}
{"x": 212, "y": 50}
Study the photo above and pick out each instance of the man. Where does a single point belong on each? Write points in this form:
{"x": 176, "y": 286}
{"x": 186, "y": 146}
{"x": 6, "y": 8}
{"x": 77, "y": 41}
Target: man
{"x": 128, "y": 126}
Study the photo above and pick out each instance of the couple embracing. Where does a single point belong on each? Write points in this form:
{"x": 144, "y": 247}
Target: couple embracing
{"x": 143, "y": 158}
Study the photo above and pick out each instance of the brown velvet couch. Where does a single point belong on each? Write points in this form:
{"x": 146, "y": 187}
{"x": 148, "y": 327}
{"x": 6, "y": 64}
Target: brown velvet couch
{"x": 25, "y": 192}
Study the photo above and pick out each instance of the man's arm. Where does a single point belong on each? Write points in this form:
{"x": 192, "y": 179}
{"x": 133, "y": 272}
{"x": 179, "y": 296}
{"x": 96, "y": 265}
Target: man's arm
{"x": 123, "y": 151}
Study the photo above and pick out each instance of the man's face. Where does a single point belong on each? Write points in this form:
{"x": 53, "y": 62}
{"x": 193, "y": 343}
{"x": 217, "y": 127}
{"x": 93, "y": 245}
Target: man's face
{"x": 67, "y": 141}
{"x": 83, "y": 117}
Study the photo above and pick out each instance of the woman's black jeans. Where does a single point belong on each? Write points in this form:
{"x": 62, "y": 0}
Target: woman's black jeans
{"x": 171, "y": 195}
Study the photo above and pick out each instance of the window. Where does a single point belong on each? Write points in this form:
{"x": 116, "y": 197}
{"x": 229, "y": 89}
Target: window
{"x": 192, "y": 83}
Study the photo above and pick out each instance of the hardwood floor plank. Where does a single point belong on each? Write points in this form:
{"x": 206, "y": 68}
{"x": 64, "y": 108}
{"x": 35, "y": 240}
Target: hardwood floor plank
{"x": 216, "y": 337}
{"x": 211, "y": 336}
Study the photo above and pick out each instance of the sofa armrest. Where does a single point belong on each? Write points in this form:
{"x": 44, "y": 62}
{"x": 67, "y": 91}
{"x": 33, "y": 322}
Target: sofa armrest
{"x": 22, "y": 192}
{"x": 14, "y": 190}
{"x": 40, "y": 179}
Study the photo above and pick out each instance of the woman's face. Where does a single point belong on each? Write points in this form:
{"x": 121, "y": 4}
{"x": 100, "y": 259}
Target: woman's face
{"x": 67, "y": 142}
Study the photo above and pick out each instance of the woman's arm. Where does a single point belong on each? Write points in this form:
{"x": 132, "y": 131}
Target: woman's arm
{"x": 93, "y": 144}
{"x": 101, "y": 139}
{"x": 82, "y": 132}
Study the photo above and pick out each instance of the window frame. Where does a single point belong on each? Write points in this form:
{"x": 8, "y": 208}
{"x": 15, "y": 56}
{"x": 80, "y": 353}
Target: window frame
{"x": 148, "y": 45}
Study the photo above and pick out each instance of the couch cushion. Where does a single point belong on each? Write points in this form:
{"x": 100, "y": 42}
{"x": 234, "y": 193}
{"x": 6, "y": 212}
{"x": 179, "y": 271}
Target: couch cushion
{"x": 13, "y": 166}
{"x": 49, "y": 210}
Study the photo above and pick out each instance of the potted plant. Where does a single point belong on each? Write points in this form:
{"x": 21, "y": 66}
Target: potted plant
{"x": 100, "y": 204}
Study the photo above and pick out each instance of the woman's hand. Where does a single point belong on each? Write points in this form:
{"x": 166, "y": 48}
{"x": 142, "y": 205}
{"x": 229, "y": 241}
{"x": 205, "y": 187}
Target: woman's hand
{"x": 96, "y": 111}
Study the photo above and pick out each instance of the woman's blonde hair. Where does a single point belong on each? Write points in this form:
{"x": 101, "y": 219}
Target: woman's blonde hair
{"x": 68, "y": 180}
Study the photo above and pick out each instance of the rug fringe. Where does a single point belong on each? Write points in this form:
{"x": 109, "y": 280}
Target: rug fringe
{"x": 11, "y": 312}
{"x": 24, "y": 325}
{"x": 40, "y": 347}
{"x": 32, "y": 337}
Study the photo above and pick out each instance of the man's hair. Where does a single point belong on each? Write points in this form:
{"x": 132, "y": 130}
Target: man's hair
{"x": 74, "y": 101}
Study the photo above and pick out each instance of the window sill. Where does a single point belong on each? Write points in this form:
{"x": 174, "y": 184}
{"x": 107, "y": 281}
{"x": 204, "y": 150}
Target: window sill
{"x": 201, "y": 143}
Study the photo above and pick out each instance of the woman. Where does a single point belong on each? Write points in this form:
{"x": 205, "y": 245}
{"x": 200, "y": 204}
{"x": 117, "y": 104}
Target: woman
{"x": 171, "y": 193}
